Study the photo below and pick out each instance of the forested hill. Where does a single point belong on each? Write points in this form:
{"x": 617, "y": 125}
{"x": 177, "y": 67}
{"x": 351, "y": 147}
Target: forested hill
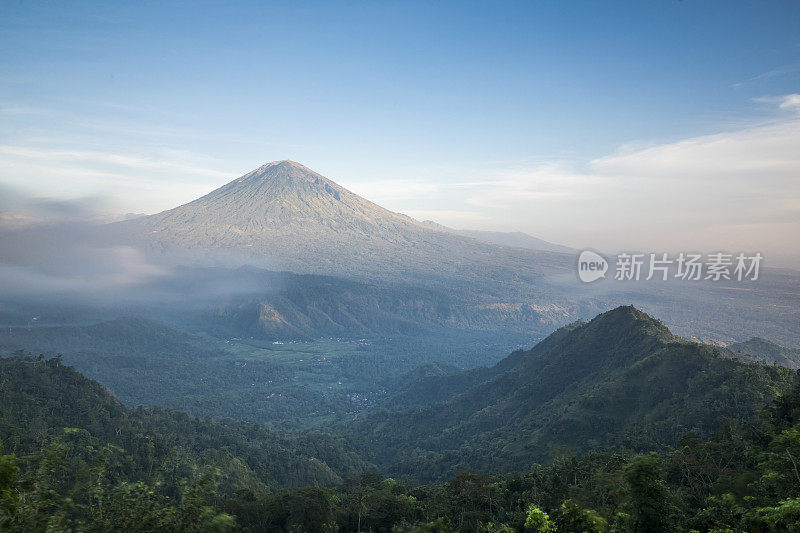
{"x": 767, "y": 352}
{"x": 84, "y": 463}
{"x": 620, "y": 380}
{"x": 44, "y": 403}
{"x": 127, "y": 342}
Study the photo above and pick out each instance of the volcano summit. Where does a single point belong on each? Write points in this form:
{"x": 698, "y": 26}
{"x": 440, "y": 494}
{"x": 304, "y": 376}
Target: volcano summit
{"x": 295, "y": 219}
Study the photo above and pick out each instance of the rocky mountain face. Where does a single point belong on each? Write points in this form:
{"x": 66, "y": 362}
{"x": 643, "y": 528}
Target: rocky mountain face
{"x": 291, "y": 218}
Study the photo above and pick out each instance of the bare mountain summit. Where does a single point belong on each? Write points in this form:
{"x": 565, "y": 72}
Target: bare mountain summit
{"x": 300, "y": 221}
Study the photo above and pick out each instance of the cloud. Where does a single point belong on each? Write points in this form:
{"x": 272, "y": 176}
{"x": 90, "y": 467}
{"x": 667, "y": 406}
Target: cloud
{"x": 382, "y": 192}
{"x": 51, "y": 245}
{"x": 733, "y": 190}
{"x": 16, "y": 110}
{"x": 788, "y": 102}
{"x": 119, "y": 160}
{"x": 774, "y": 73}
{"x": 766, "y": 153}
{"x": 62, "y": 256}
{"x": 153, "y": 182}
{"x": 18, "y": 209}
{"x": 82, "y": 269}
{"x": 791, "y": 102}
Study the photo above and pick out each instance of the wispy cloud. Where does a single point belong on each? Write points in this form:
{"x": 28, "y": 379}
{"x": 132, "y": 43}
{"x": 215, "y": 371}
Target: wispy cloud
{"x": 120, "y": 160}
{"x": 14, "y": 110}
{"x": 788, "y": 102}
{"x": 774, "y": 73}
{"x": 152, "y": 182}
{"x": 736, "y": 189}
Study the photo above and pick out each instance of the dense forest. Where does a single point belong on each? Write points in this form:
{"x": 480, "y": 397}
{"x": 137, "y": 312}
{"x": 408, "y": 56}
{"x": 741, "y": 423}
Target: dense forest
{"x": 614, "y": 424}
{"x": 75, "y": 459}
{"x": 621, "y": 380}
{"x": 44, "y": 399}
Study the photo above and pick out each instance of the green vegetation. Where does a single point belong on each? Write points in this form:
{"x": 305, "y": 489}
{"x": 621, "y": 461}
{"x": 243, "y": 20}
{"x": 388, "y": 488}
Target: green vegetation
{"x": 41, "y": 398}
{"x": 108, "y": 468}
{"x": 620, "y": 381}
{"x": 762, "y": 350}
{"x": 609, "y": 425}
{"x": 291, "y": 385}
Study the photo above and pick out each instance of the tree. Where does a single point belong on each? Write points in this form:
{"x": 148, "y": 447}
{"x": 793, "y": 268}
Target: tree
{"x": 571, "y": 517}
{"x": 648, "y": 495}
{"x": 538, "y": 521}
{"x": 310, "y": 509}
{"x": 8, "y": 493}
{"x": 783, "y": 517}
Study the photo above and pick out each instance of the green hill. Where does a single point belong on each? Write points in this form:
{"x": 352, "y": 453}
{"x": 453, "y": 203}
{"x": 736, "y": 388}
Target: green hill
{"x": 767, "y": 352}
{"x": 40, "y": 398}
{"x": 620, "y": 380}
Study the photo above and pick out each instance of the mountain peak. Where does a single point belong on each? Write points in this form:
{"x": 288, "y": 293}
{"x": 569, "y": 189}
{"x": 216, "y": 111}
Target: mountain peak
{"x": 284, "y": 170}
{"x": 280, "y": 205}
{"x": 628, "y": 325}
{"x": 284, "y": 163}
{"x": 624, "y": 312}
{"x": 613, "y": 339}
{"x": 292, "y": 218}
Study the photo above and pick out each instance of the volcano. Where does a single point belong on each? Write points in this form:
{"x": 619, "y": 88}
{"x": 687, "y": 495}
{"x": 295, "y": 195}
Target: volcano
{"x": 292, "y": 218}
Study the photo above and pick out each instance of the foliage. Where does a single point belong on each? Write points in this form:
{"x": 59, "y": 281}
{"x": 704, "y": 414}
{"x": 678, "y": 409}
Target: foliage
{"x": 42, "y": 397}
{"x": 538, "y": 521}
{"x": 620, "y": 381}
{"x": 648, "y": 496}
{"x": 76, "y": 459}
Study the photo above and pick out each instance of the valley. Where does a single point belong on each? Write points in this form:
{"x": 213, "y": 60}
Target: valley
{"x": 287, "y": 384}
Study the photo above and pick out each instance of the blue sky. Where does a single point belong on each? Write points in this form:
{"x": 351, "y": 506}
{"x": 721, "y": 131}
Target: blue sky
{"x": 426, "y": 107}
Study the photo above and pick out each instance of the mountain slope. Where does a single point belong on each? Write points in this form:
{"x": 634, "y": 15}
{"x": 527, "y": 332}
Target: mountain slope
{"x": 142, "y": 361}
{"x": 767, "y": 352}
{"x": 120, "y": 337}
{"x": 39, "y": 399}
{"x": 516, "y": 239}
{"x": 620, "y": 379}
{"x": 292, "y": 218}
{"x": 284, "y": 305}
